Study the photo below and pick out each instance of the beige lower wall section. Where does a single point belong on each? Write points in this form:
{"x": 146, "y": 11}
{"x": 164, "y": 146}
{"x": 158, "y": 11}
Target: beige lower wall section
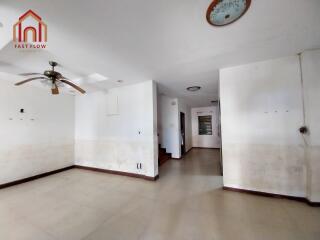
{"x": 23, "y": 161}
{"x": 117, "y": 155}
{"x": 313, "y": 158}
{"x": 265, "y": 168}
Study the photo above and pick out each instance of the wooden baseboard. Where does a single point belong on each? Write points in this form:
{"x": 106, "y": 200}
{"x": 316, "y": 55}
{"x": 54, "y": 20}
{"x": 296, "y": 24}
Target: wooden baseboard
{"x": 189, "y": 150}
{"x": 24, "y": 180}
{"x": 135, "y": 175}
{"x": 312, "y": 204}
{"x": 265, "y": 194}
{"x": 182, "y": 155}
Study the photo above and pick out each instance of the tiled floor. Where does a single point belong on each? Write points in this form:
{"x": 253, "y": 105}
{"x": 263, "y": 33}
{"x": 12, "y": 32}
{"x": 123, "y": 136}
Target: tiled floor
{"x": 185, "y": 203}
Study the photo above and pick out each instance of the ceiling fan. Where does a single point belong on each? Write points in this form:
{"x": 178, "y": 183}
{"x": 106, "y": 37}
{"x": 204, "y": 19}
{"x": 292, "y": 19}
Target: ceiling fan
{"x": 56, "y": 79}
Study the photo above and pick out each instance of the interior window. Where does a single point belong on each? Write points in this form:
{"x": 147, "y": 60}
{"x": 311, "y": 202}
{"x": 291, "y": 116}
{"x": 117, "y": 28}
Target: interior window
{"x": 205, "y": 125}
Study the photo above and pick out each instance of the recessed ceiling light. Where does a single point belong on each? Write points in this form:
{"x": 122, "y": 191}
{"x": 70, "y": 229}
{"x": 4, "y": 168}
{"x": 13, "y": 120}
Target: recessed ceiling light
{"x": 193, "y": 88}
{"x": 120, "y": 81}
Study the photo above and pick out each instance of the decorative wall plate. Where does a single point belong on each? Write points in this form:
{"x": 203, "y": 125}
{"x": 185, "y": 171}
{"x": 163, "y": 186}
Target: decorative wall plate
{"x": 224, "y": 12}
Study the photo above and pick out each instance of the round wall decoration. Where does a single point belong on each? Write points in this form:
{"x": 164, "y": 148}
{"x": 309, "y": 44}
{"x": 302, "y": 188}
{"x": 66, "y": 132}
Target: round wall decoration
{"x": 224, "y": 12}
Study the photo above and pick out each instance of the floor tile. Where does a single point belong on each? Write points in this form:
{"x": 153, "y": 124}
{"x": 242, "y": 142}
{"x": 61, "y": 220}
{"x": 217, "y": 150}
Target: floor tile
{"x": 186, "y": 203}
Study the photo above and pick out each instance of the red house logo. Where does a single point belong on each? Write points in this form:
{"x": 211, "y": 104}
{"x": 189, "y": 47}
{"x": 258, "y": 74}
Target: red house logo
{"x": 30, "y": 31}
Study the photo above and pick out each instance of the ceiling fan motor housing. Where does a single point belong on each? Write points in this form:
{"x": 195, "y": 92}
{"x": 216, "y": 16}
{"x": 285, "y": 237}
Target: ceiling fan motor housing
{"x": 52, "y": 74}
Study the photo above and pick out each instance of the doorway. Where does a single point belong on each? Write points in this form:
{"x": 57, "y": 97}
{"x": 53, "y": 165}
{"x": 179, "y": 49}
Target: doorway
{"x": 183, "y": 133}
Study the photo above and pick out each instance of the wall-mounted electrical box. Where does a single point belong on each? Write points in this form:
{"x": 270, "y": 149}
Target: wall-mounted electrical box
{"x": 112, "y": 104}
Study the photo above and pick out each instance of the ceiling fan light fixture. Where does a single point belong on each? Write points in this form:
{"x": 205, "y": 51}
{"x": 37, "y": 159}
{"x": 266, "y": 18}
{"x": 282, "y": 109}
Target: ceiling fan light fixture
{"x": 52, "y": 78}
{"x": 193, "y": 88}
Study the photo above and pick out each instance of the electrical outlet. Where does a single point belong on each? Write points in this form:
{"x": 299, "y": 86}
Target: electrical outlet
{"x": 139, "y": 165}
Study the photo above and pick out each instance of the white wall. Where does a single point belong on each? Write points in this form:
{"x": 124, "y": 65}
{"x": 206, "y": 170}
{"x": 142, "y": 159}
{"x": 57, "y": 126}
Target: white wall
{"x": 183, "y": 107}
{"x": 168, "y": 125}
{"x": 31, "y": 147}
{"x": 118, "y": 136}
{"x": 261, "y": 111}
{"x": 206, "y": 141}
{"x": 311, "y": 75}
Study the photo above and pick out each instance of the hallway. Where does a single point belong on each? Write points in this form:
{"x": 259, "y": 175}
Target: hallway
{"x": 185, "y": 203}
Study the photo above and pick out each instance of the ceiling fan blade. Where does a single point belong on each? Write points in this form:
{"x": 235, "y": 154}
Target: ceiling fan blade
{"x": 29, "y": 74}
{"x": 29, "y": 80}
{"x": 55, "y": 89}
{"x": 73, "y": 85}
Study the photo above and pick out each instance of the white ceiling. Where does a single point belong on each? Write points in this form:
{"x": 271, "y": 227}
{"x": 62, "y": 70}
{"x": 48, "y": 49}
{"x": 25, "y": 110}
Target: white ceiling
{"x": 168, "y": 41}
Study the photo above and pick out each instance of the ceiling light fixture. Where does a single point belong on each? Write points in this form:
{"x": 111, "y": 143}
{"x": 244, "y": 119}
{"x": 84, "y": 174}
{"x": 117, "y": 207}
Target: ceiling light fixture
{"x": 193, "y": 88}
{"x": 52, "y": 78}
{"x": 120, "y": 81}
{"x": 224, "y": 12}
{"x": 97, "y": 77}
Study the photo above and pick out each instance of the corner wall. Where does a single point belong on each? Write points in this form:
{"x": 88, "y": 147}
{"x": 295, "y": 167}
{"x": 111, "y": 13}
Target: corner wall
{"x": 117, "y": 130}
{"x": 39, "y": 140}
{"x": 183, "y": 107}
{"x": 261, "y": 112}
{"x": 311, "y": 75}
{"x": 169, "y": 124}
